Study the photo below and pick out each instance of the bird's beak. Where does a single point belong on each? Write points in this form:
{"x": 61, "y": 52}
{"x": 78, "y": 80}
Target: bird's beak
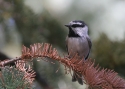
{"x": 67, "y": 25}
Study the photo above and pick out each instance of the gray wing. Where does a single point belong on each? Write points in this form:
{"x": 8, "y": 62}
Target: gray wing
{"x": 90, "y": 45}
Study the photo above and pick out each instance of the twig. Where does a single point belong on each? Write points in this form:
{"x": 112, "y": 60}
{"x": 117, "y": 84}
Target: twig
{"x": 8, "y": 61}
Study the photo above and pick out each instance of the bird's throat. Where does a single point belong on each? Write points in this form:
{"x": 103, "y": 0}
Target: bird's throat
{"x": 72, "y": 33}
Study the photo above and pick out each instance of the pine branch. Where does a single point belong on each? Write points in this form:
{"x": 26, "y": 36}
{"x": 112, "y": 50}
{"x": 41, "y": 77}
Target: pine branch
{"x": 18, "y": 77}
{"x": 94, "y": 76}
{"x": 8, "y": 61}
{"x": 29, "y": 74}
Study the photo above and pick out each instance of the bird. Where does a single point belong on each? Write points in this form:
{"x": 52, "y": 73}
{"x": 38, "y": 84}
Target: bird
{"x": 78, "y": 41}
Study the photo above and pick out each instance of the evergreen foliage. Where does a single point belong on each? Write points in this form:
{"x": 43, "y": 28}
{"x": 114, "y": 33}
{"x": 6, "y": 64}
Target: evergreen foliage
{"x": 12, "y": 78}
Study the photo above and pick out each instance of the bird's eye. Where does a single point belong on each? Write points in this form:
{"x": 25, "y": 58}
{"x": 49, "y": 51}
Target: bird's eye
{"x": 77, "y": 25}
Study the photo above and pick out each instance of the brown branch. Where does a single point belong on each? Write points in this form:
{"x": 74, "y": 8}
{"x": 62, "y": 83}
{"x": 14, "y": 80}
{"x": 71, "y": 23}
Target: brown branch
{"x": 8, "y": 61}
{"x": 4, "y": 57}
{"x": 94, "y": 76}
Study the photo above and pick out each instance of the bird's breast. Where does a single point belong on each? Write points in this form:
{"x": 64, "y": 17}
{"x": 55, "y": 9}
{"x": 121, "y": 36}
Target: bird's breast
{"x": 78, "y": 45}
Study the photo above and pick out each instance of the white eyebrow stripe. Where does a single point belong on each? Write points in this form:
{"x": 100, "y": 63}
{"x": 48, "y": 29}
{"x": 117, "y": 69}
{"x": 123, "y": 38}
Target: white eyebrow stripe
{"x": 71, "y": 23}
{"x": 78, "y": 23}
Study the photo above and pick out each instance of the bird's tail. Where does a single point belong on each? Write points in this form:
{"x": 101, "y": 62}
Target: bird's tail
{"x": 77, "y": 77}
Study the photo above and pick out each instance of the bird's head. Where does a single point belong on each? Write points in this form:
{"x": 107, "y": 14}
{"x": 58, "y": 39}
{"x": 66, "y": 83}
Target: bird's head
{"x": 77, "y": 28}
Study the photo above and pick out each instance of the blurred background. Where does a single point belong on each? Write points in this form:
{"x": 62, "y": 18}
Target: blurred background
{"x": 24, "y": 22}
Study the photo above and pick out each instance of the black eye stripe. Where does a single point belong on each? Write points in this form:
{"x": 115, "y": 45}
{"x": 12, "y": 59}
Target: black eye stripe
{"x": 77, "y": 25}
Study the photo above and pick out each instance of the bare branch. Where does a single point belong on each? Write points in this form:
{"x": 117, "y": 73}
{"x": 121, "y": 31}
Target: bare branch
{"x": 8, "y": 61}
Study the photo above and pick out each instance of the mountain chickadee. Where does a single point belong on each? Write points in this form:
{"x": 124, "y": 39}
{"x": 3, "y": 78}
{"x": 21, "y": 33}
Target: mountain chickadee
{"x": 78, "y": 41}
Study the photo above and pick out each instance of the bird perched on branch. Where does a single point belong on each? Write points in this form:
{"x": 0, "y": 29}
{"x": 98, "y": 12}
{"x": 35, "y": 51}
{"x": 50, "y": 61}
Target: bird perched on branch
{"x": 78, "y": 42}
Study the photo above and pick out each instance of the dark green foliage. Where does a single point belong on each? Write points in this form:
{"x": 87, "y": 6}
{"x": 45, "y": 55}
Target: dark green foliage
{"x": 12, "y": 78}
{"x": 109, "y": 54}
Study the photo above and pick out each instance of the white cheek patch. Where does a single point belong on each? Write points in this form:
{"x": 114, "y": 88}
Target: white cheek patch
{"x": 81, "y": 31}
{"x": 78, "y": 31}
